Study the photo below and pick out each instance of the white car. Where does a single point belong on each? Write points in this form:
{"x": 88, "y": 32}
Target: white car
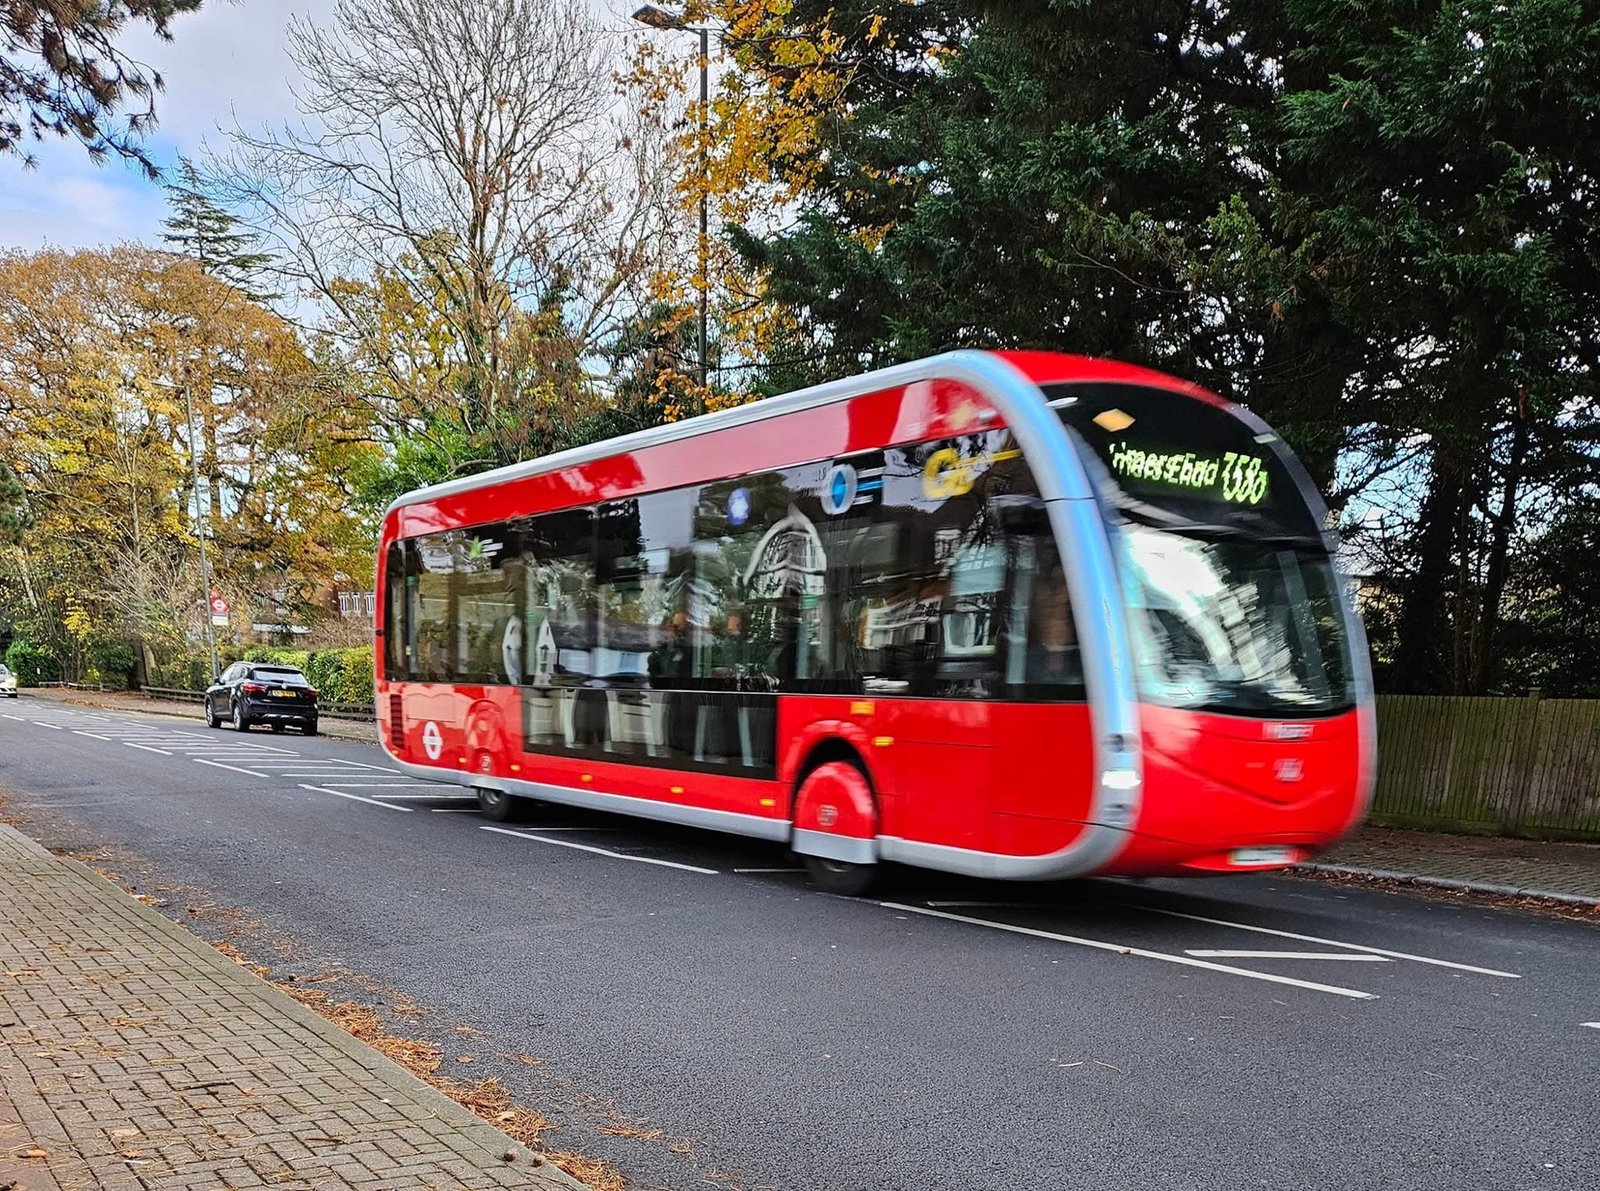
{"x": 8, "y": 682}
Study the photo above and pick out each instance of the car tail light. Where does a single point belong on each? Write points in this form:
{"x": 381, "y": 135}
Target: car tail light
{"x": 312, "y": 691}
{"x": 254, "y": 688}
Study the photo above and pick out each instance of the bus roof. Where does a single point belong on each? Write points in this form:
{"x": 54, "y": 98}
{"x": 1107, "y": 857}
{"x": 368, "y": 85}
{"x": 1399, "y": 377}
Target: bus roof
{"x": 1019, "y": 373}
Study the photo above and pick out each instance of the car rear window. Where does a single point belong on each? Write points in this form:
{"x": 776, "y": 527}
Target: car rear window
{"x": 287, "y": 677}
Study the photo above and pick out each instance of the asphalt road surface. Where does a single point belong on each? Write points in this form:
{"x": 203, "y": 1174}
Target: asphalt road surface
{"x": 702, "y": 1017}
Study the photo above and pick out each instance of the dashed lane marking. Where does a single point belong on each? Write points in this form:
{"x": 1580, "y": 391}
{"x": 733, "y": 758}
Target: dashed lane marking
{"x": 1102, "y": 945}
{"x": 147, "y": 748}
{"x": 426, "y": 797}
{"x": 356, "y": 798}
{"x": 1208, "y": 953}
{"x": 764, "y": 870}
{"x": 225, "y": 765}
{"x": 566, "y": 843}
{"x": 1287, "y": 934}
{"x": 52, "y": 727}
{"x": 1593, "y": 1025}
{"x": 395, "y": 786}
{"x": 455, "y": 810}
{"x": 92, "y": 736}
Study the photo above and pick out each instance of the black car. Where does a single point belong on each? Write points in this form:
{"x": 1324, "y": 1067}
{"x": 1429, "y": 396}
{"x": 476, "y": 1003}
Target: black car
{"x": 260, "y": 693}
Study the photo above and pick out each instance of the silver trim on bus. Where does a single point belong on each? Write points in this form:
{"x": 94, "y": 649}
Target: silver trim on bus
{"x": 1081, "y": 537}
{"x": 598, "y": 800}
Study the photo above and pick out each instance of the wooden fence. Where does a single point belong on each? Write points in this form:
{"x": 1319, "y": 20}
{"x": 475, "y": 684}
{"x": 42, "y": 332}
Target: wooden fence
{"x": 1527, "y": 766}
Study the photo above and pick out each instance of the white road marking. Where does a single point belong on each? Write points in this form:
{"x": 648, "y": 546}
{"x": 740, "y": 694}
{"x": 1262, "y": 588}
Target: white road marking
{"x": 357, "y": 798}
{"x": 566, "y": 843}
{"x": 455, "y": 810}
{"x": 18, "y": 718}
{"x": 224, "y": 765}
{"x": 1102, "y": 945}
{"x": 389, "y": 785}
{"x": 1593, "y": 1025}
{"x": 146, "y": 748}
{"x": 1344, "y": 955}
{"x": 994, "y": 905}
{"x": 299, "y": 771}
{"x": 542, "y": 827}
{"x": 92, "y": 736}
{"x": 769, "y": 870}
{"x": 427, "y": 797}
{"x": 1286, "y": 934}
{"x": 52, "y": 727}
{"x": 363, "y": 765}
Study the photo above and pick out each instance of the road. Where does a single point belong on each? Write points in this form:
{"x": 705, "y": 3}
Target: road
{"x": 1245, "y": 1032}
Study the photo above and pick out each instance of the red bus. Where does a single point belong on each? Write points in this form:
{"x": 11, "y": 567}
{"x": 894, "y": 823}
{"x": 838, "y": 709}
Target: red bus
{"x": 1014, "y": 615}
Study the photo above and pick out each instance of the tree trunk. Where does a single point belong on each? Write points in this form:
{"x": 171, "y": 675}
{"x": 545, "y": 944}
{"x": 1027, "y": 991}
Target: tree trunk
{"x": 1481, "y": 670}
{"x": 1421, "y": 663}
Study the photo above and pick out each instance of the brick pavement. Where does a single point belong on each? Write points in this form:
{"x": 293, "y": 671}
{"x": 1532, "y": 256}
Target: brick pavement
{"x": 134, "y": 1056}
{"x": 1491, "y": 864}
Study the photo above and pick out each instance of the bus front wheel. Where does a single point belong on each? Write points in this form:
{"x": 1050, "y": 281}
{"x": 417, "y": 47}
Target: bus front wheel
{"x": 835, "y": 820}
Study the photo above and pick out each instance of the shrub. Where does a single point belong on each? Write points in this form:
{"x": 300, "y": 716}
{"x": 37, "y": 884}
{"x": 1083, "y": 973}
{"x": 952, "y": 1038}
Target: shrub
{"x": 32, "y": 663}
{"x": 110, "y": 663}
{"x": 355, "y": 677}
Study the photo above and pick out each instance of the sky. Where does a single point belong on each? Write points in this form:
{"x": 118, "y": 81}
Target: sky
{"x": 226, "y": 64}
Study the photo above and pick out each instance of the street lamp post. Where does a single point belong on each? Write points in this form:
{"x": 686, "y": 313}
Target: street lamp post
{"x": 200, "y": 521}
{"x": 658, "y": 18}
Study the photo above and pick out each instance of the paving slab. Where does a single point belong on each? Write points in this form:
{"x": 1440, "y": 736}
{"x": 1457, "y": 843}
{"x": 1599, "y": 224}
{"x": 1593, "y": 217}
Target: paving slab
{"x": 133, "y": 1055}
{"x": 1558, "y": 871}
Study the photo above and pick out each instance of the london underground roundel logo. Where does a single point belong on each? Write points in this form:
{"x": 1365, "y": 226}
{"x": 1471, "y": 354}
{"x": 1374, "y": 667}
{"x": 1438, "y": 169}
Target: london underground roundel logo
{"x": 432, "y": 740}
{"x": 839, "y": 493}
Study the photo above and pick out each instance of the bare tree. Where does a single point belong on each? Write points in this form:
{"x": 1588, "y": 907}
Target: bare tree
{"x": 466, "y": 152}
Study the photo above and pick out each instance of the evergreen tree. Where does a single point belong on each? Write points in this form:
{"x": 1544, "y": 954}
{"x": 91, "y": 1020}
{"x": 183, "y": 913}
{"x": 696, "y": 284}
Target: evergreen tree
{"x": 214, "y": 238}
{"x": 15, "y": 519}
{"x": 61, "y": 74}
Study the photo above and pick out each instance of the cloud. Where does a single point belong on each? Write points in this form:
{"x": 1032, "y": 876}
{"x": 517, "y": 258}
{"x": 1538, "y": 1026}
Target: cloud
{"x": 227, "y": 62}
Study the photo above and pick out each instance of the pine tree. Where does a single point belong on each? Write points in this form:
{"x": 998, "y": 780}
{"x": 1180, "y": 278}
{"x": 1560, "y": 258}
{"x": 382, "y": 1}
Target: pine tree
{"x": 213, "y": 237}
{"x": 61, "y": 74}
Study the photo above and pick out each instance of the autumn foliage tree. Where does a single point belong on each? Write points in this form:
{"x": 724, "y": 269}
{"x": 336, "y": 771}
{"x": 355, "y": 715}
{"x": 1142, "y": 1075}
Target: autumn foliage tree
{"x": 117, "y": 368}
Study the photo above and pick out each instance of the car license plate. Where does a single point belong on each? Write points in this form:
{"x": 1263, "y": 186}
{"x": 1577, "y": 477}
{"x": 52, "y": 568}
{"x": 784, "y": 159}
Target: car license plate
{"x": 1247, "y": 857}
{"x": 283, "y": 694}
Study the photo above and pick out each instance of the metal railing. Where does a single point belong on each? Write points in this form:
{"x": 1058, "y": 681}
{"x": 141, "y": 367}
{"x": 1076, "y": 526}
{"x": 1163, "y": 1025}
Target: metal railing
{"x": 343, "y": 711}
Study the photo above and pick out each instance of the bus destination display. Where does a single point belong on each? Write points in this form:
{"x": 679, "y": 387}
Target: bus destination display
{"x": 1229, "y": 476}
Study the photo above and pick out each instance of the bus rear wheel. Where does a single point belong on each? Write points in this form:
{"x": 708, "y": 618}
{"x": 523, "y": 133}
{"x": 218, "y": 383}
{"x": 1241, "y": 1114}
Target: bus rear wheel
{"x": 496, "y": 805}
{"x": 842, "y": 877}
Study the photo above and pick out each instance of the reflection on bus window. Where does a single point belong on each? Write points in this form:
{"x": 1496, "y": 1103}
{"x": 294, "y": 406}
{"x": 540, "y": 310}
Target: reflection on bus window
{"x": 1234, "y": 626}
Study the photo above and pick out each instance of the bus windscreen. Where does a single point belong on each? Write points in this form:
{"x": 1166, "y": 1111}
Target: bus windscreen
{"x": 1190, "y": 461}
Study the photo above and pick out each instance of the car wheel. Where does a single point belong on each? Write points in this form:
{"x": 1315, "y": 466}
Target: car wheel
{"x": 310, "y": 729}
{"x": 213, "y": 720}
{"x": 241, "y": 722}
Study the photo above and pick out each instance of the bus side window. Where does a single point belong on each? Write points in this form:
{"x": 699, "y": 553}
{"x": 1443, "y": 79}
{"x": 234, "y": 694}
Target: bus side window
{"x": 1043, "y": 642}
{"x": 486, "y": 599}
{"x": 431, "y": 612}
{"x": 396, "y": 642}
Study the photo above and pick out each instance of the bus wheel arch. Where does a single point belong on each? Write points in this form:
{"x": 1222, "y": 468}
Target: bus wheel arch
{"x": 835, "y": 819}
